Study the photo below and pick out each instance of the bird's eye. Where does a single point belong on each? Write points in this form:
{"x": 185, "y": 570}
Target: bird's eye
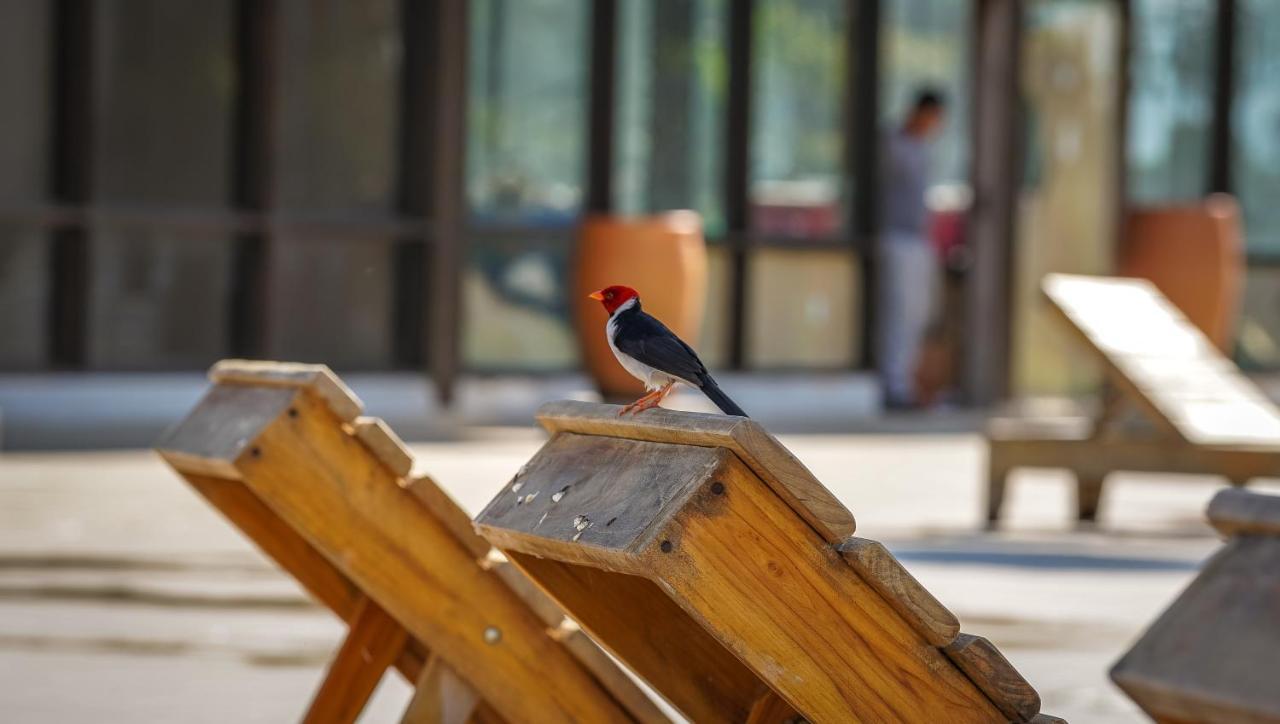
{"x": 608, "y": 295}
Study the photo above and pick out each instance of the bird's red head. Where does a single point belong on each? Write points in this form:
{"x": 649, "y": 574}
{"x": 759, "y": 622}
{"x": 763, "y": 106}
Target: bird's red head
{"x": 614, "y": 297}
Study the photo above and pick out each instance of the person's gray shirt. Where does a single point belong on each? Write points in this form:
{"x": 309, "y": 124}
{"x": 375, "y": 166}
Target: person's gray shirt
{"x": 906, "y": 171}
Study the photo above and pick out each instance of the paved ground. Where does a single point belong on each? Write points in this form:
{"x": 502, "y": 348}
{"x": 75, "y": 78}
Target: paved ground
{"x": 124, "y": 597}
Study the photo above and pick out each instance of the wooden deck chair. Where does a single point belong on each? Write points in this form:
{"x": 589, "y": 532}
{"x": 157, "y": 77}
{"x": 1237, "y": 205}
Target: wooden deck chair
{"x": 282, "y": 451}
{"x": 703, "y": 555}
{"x": 1199, "y": 414}
{"x": 1214, "y": 655}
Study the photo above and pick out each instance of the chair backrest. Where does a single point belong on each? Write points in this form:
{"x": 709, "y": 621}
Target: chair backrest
{"x": 705, "y": 557}
{"x": 1176, "y": 374}
{"x": 282, "y": 450}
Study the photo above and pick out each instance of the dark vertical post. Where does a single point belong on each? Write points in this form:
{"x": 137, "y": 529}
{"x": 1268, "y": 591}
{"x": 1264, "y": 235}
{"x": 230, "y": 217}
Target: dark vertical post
{"x": 997, "y": 133}
{"x": 1120, "y": 156}
{"x": 1224, "y": 88}
{"x": 411, "y": 331}
{"x": 603, "y": 63}
{"x": 737, "y": 172}
{"x": 436, "y": 117}
{"x": 862, "y": 146}
{"x": 71, "y": 180}
{"x": 257, "y": 40}
{"x": 670, "y": 112}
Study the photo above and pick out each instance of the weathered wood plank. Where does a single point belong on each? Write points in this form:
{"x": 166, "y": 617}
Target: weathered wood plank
{"x": 1238, "y": 512}
{"x": 594, "y": 499}
{"x": 877, "y": 566}
{"x": 317, "y": 378}
{"x": 353, "y": 510}
{"x": 753, "y": 574}
{"x": 995, "y": 676}
{"x": 373, "y": 641}
{"x": 772, "y": 462}
{"x": 1211, "y": 656}
{"x": 221, "y": 427}
{"x": 385, "y": 444}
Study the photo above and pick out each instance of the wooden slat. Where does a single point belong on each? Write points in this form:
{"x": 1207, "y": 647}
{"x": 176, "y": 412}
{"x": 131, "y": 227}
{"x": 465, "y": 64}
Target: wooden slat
{"x": 221, "y": 428}
{"x": 877, "y": 566}
{"x": 317, "y": 378}
{"x": 353, "y": 510}
{"x": 772, "y": 462}
{"x": 373, "y": 641}
{"x": 1164, "y": 362}
{"x": 435, "y": 499}
{"x": 385, "y": 444}
{"x": 441, "y": 697}
{"x": 995, "y": 676}
{"x": 613, "y": 678}
{"x": 771, "y": 709}
{"x": 1239, "y": 512}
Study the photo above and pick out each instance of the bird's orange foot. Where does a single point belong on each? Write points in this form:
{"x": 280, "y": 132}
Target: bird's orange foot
{"x": 647, "y": 402}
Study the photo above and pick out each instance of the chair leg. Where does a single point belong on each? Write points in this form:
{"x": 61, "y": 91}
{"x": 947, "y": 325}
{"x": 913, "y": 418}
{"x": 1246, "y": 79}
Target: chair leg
{"x": 373, "y": 642}
{"x": 1088, "y": 496}
{"x": 997, "y": 478}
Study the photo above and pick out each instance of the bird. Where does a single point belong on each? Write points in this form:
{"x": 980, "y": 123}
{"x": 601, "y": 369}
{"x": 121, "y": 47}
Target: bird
{"x": 653, "y": 354}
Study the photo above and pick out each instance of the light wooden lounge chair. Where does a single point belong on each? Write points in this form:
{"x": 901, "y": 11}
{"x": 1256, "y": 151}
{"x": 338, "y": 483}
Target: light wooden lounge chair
{"x": 1212, "y": 655}
{"x": 1199, "y": 414}
{"x": 282, "y": 451}
{"x": 704, "y": 556}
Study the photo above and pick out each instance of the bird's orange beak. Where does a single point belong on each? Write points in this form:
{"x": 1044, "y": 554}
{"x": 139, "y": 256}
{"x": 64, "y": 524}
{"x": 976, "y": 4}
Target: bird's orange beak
{"x": 598, "y": 296}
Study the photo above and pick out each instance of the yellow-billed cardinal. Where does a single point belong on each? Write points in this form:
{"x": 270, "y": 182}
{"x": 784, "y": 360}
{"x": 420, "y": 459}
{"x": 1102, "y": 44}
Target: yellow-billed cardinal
{"x": 653, "y": 354}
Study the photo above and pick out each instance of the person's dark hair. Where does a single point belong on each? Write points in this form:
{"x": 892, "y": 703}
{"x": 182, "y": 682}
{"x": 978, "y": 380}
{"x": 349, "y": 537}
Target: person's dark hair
{"x": 929, "y": 98}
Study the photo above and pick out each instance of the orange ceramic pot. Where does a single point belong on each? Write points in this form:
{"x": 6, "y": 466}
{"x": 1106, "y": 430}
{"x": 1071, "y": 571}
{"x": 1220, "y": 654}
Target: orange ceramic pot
{"x": 664, "y": 258}
{"x": 1194, "y": 254}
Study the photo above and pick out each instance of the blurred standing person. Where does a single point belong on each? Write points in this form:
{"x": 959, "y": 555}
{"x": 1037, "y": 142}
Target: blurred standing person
{"x": 907, "y": 264}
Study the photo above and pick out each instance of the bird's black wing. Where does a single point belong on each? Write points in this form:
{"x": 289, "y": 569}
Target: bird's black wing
{"x": 649, "y": 341}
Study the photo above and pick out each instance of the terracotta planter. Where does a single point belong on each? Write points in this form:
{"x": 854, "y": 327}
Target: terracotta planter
{"x": 1195, "y": 255}
{"x": 664, "y": 258}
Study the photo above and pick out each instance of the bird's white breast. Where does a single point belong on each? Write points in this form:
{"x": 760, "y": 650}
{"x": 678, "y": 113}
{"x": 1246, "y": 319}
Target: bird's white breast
{"x": 651, "y": 377}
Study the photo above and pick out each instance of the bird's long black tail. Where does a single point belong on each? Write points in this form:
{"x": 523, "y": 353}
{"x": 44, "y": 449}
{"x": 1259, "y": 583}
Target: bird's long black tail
{"x": 716, "y": 395}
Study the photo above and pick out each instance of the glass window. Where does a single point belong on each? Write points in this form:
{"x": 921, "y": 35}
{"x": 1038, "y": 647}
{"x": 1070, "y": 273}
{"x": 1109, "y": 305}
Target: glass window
{"x": 797, "y": 146}
{"x": 1258, "y": 339}
{"x": 24, "y": 289}
{"x": 340, "y": 80}
{"x": 517, "y": 314}
{"x": 672, "y": 85}
{"x": 526, "y": 139}
{"x": 927, "y": 43}
{"x": 157, "y": 300}
{"x": 1171, "y": 68}
{"x": 1256, "y": 132}
{"x": 331, "y": 302}
{"x": 24, "y": 76}
{"x": 1070, "y": 68}
{"x": 803, "y": 309}
{"x": 164, "y": 91}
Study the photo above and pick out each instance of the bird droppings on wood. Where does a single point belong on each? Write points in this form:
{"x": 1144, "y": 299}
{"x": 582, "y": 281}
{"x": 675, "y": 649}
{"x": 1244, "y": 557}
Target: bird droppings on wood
{"x": 558, "y": 495}
{"x": 580, "y": 522}
{"x": 527, "y": 499}
{"x": 515, "y": 487}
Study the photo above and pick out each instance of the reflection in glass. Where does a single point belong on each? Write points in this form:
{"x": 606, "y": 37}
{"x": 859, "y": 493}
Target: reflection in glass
{"x": 1067, "y": 208}
{"x": 340, "y": 79}
{"x": 516, "y": 313}
{"x": 164, "y": 89}
{"x": 526, "y": 135}
{"x": 927, "y": 43}
{"x": 24, "y": 289}
{"x": 24, "y": 76}
{"x": 157, "y": 301}
{"x": 797, "y": 144}
{"x": 1171, "y": 69}
{"x": 672, "y": 85}
{"x": 1256, "y": 123}
{"x": 335, "y": 303}
{"x": 802, "y": 309}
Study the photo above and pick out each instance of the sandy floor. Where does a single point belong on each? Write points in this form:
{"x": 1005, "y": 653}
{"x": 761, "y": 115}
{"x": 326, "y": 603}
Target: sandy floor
{"x": 123, "y": 597}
